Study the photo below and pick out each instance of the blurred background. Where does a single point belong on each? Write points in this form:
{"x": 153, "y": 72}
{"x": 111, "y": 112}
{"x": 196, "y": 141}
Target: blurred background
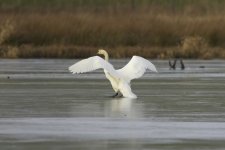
{"x": 159, "y": 29}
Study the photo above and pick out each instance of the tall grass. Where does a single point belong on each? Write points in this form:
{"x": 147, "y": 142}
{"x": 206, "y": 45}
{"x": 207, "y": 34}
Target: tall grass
{"x": 87, "y": 5}
{"x": 77, "y": 28}
{"x": 86, "y": 29}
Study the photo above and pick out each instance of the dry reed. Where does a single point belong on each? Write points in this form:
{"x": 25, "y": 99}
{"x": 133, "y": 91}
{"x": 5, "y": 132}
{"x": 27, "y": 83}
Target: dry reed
{"x": 155, "y": 33}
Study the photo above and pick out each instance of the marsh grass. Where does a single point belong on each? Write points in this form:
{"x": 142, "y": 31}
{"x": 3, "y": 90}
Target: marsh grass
{"x": 155, "y": 29}
{"x": 6, "y": 29}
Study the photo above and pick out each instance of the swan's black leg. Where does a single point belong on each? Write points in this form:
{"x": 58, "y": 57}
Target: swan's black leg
{"x": 115, "y": 94}
{"x": 121, "y": 95}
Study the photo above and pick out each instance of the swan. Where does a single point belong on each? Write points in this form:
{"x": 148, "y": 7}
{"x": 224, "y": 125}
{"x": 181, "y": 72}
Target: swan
{"x": 119, "y": 79}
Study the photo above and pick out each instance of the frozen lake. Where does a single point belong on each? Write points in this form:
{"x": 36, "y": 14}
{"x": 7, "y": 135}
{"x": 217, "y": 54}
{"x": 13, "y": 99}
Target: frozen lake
{"x": 43, "y": 106}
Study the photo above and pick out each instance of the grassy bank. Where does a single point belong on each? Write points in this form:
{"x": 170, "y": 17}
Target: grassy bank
{"x": 75, "y": 28}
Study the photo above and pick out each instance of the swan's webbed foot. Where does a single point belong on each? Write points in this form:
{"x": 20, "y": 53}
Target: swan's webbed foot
{"x": 120, "y": 95}
{"x": 117, "y": 93}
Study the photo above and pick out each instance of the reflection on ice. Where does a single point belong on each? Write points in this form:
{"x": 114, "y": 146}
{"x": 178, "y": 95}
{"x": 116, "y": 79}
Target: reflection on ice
{"x": 123, "y": 107}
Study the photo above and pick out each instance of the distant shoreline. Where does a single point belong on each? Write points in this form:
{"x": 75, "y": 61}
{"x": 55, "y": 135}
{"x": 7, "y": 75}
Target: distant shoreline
{"x": 70, "y": 51}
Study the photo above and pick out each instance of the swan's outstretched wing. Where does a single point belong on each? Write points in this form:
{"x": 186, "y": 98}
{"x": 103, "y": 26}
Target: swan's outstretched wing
{"x": 91, "y": 64}
{"x": 136, "y": 68}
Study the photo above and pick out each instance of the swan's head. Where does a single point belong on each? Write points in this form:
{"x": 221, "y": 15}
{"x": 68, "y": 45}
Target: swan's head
{"x": 102, "y": 52}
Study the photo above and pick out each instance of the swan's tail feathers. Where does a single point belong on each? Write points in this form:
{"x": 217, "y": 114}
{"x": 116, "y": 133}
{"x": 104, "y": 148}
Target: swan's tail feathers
{"x": 126, "y": 91}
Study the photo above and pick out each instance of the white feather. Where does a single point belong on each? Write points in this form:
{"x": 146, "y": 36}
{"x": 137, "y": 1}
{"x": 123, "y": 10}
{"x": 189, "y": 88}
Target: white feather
{"x": 136, "y": 68}
{"x": 91, "y": 64}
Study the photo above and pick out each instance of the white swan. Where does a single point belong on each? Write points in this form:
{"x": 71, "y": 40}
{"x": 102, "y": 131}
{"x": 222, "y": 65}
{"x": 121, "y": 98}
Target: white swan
{"x": 120, "y": 79}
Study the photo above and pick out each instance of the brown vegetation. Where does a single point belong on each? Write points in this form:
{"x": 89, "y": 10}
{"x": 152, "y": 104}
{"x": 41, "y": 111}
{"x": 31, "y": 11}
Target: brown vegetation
{"x": 155, "y": 33}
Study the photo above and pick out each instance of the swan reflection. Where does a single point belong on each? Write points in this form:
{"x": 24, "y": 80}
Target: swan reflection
{"x": 123, "y": 107}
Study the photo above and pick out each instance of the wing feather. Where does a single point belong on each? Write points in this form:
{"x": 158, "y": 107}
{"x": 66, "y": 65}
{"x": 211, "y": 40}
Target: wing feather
{"x": 136, "y": 68}
{"x": 91, "y": 64}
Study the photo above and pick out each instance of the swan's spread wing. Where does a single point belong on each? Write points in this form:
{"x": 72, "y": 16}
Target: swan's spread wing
{"x": 91, "y": 64}
{"x": 136, "y": 68}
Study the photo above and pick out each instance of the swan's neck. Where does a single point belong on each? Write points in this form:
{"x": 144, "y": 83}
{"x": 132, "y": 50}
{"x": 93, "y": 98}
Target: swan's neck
{"x": 106, "y": 55}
